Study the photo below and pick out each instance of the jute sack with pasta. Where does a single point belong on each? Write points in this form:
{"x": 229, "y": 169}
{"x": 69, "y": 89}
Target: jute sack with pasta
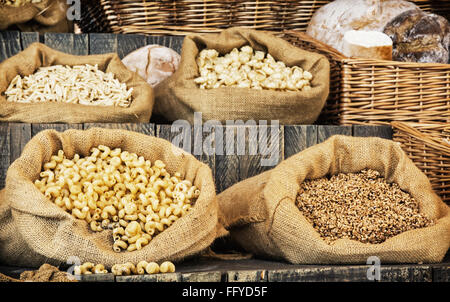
{"x": 262, "y": 216}
{"x": 179, "y": 96}
{"x": 34, "y": 230}
{"x": 41, "y": 16}
{"x": 37, "y": 110}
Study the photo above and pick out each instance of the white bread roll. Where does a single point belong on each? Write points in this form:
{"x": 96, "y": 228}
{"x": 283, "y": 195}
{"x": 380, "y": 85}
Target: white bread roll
{"x": 367, "y": 45}
{"x": 332, "y": 21}
{"x": 154, "y": 63}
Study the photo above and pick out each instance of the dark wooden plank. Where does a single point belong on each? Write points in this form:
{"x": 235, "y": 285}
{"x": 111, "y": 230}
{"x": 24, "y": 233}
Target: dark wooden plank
{"x": 377, "y": 131}
{"x": 9, "y": 44}
{"x": 320, "y": 274}
{"x": 129, "y": 43}
{"x": 268, "y": 145}
{"x": 28, "y": 38}
{"x": 441, "y": 273}
{"x": 169, "y": 277}
{"x": 96, "y": 278}
{"x": 406, "y": 273}
{"x": 67, "y": 43}
{"x": 325, "y": 132}
{"x": 227, "y": 165}
{"x": 174, "y": 42}
{"x": 198, "y": 140}
{"x": 36, "y": 128}
{"x": 202, "y": 277}
{"x": 4, "y": 152}
{"x": 247, "y": 276}
{"x": 102, "y": 43}
{"x": 298, "y": 138}
{"x": 20, "y": 136}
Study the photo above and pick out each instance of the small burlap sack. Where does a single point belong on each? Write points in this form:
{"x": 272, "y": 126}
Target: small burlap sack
{"x": 178, "y": 97}
{"x": 46, "y": 16}
{"x": 262, "y": 217}
{"x": 34, "y": 231}
{"x": 38, "y": 55}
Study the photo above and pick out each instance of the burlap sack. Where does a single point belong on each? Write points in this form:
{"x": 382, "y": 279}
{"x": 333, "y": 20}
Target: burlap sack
{"x": 34, "y": 231}
{"x": 262, "y": 217}
{"x": 178, "y": 97}
{"x": 46, "y": 16}
{"x": 37, "y": 55}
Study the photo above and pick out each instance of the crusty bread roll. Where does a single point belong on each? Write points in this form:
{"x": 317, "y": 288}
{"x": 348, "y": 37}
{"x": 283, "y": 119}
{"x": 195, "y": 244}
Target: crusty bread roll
{"x": 420, "y": 37}
{"x": 154, "y": 63}
{"x": 332, "y": 21}
{"x": 367, "y": 44}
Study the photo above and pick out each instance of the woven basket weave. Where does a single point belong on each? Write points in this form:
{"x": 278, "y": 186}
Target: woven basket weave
{"x": 205, "y": 16}
{"x": 379, "y": 92}
{"x": 428, "y": 146}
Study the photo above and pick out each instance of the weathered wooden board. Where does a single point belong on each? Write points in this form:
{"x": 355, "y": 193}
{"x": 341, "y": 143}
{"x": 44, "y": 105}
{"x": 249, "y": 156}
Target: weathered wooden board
{"x": 4, "y": 152}
{"x": 68, "y": 43}
{"x": 9, "y": 44}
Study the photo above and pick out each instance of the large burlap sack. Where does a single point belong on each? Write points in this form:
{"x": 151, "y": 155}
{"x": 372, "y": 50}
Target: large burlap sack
{"x": 46, "y": 16}
{"x": 262, "y": 217}
{"x": 178, "y": 97}
{"x": 33, "y": 230}
{"x": 37, "y": 55}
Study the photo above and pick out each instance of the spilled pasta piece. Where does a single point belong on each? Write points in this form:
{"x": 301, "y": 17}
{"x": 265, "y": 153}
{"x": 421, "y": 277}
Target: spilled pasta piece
{"x": 118, "y": 190}
{"x": 80, "y": 84}
{"x": 245, "y": 68}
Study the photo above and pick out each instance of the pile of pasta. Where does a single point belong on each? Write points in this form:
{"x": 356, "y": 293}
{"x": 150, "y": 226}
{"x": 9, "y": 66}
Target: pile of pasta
{"x": 245, "y": 68}
{"x": 126, "y": 269}
{"x": 118, "y": 190}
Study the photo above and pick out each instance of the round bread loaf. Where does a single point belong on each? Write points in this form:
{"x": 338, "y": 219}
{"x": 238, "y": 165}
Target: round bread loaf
{"x": 154, "y": 63}
{"x": 367, "y": 44}
{"x": 419, "y": 37}
{"x": 332, "y": 21}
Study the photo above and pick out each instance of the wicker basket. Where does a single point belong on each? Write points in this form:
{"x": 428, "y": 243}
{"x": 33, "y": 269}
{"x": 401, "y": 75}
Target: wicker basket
{"x": 379, "y": 92}
{"x": 428, "y": 146}
{"x": 182, "y": 17}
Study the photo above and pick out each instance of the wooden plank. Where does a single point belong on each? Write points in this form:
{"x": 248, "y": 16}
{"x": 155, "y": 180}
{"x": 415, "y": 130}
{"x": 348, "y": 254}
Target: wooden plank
{"x": 174, "y": 42}
{"x": 20, "y": 136}
{"x": 320, "y": 274}
{"x": 441, "y": 273}
{"x": 67, "y": 43}
{"x": 4, "y": 153}
{"x": 298, "y": 138}
{"x": 102, "y": 43}
{"x": 325, "y": 132}
{"x": 28, "y": 38}
{"x": 96, "y": 278}
{"x": 246, "y": 276}
{"x": 406, "y": 273}
{"x": 227, "y": 165}
{"x": 202, "y": 277}
{"x": 129, "y": 43}
{"x": 197, "y": 140}
{"x": 169, "y": 277}
{"x": 9, "y": 44}
{"x": 368, "y": 131}
{"x": 36, "y": 128}
{"x": 268, "y": 154}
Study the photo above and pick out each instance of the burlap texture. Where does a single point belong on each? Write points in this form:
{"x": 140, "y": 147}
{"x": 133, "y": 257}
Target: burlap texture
{"x": 46, "y": 16}
{"x": 262, "y": 217}
{"x": 178, "y": 97}
{"x": 37, "y": 55}
{"x": 34, "y": 231}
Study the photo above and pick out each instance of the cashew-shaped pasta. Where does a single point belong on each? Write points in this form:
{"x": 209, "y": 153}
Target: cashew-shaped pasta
{"x": 140, "y": 267}
{"x": 152, "y": 268}
{"x": 167, "y": 267}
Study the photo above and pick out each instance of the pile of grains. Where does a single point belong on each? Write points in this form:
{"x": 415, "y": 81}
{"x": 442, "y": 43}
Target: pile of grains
{"x": 81, "y": 84}
{"x": 18, "y": 3}
{"x": 359, "y": 206}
